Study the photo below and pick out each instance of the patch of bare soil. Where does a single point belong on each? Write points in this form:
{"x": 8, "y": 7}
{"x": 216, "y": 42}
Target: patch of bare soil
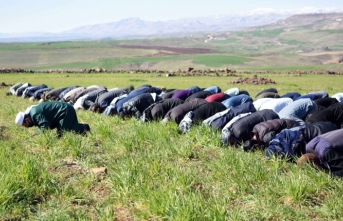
{"x": 334, "y": 61}
{"x": 2, "y": 133}
{"x": 123, "y": 214}
{"x": 253, "y": 80}
{"x": 168, "y": 51}
{"x": 3, "y": 84}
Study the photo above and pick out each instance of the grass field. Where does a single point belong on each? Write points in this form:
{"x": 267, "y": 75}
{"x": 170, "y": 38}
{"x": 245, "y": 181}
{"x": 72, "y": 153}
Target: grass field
{"x": 153, "y": 172}
{"x": 261, "y": 48}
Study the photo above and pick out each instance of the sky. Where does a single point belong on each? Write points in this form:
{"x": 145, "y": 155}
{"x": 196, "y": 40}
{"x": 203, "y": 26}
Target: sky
{"x": 21, "y": 16}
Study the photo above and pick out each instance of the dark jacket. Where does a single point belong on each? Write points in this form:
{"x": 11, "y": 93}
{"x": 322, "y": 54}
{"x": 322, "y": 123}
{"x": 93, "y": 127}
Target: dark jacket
{"x": 60, "y": 97}
{"x": 21, "y": 89}
{"x": 183, "y": 94}
{"x": 169, "y": 94}
{"x": 177, "y": 113}
{"x": 38, "y": 94}
{"x": 213, "y": 89}
{"x": 132, "y": 94}
{"x": 31, "y": 90}
{"x": 207, "y": 110}
{"x": 200, "y": 94}
{"x": 292, "y": 95}
{"x": 159, "y": 109}
{"x": 53, "y": 94}
{"x": 135, "y": 106}
{"x": 220, "y": 122}
{"x": 273, "y": 90}
{"x": 92, "y": 97}
{"x": 328, "y": 148}
{"x": 334, "y": 114}
{"x": 84, "y": 92}
{"x": 268, "y": 95}
{"x": 325, "y": 102}
{"x": 310, "y": 96}
{"x": 266, "y": 130}
{"x": 292, "y": 142}
{"x": 106, "y": 98}
{"x": 128, "y": 89}
{"x": 320, "y": 94}
{"x": 242, "y": 129}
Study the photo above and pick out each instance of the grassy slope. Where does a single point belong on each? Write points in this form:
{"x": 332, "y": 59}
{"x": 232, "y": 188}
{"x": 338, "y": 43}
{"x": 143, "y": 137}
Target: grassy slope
{"x": 265, "y": 48}
{"x": 153, "y": 172}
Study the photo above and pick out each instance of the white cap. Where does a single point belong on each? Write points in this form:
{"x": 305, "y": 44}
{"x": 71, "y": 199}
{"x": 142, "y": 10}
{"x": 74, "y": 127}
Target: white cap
{"x": 20, "y": 118}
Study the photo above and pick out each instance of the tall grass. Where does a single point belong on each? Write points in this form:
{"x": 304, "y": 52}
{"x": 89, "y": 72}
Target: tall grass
{"x": 154, "y": 172}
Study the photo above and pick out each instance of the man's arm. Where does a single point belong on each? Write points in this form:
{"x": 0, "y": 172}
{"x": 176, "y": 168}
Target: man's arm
{"x": 42, "y": 122}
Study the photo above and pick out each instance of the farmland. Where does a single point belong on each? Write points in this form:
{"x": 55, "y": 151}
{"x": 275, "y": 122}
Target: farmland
{"x": 276, "y": 47}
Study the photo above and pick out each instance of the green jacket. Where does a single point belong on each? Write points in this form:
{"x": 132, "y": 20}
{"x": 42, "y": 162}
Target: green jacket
{"x": 51, "y": 115}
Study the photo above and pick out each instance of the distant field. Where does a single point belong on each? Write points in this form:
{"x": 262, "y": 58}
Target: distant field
{"x": 260, "y": 48}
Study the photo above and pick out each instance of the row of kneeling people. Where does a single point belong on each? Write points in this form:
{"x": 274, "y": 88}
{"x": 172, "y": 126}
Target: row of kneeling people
{"x": 295, "y": 126}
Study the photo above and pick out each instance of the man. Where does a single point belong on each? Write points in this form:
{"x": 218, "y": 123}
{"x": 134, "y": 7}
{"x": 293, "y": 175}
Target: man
{"x": 239, "y": 129}
{"x": 265, "y": 131}
{"x": 292, "y": 142}
{"x": 292, "y": 95}
{"x": 218, "y": 97}
{"x": 334, "y": 114}
{"x": 178, "y": 113}
{"x": 219, "y": 120}
{"x": 87, "y": 100}
{"x": 298, "y": 110}
{"x": 159, "y": 109}
{"x": 267, "y": 94}
{"x": 236, "y": 100}
{"x": 51, "y": 115}
{"x": 200, "y": 114}
{"x": 135, "y": 106}
{"x": 272, "y": 90}
{"x": 276, "y": 104}
{"x": 200, "y": 94}
{"x": 325, "y": 102}
{"x": 326, "y": 151}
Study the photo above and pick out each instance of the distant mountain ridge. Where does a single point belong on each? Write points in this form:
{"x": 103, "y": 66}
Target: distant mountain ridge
{"x": 138, "y": 28}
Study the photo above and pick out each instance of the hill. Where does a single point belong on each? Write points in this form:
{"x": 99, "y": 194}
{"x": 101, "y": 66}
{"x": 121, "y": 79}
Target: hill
{"x": 300, "y": 42}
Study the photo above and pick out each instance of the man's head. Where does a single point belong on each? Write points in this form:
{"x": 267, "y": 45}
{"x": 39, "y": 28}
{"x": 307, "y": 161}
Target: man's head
{"x": 23, "y": 119}
{"x": 19, "y": 118}
{"x": 308, "y": 158}
{"x": 250, "y": 145}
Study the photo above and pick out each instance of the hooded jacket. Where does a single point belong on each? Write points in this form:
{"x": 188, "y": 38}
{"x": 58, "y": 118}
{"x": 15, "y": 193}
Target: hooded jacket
{"x": 177, "y": 113}
{"x": 135, "y": 106}
{"x": 242, "y": 129}
{"x": 328, "y": 148}
{"x": 222, "y": 120}
{"x": 200, "y": 94}
{"x": 292, "y": 142}
{"x": 159, "y": 109}
{"x": 266, "y": 130}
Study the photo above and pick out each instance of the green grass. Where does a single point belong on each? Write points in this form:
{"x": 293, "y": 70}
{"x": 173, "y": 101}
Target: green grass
{"x": 219, "y": 60}
{"x": 55, "y": 45}
{"x": 226, "y": 41}
{"x": 329, "y": 31}
{"x": 154, "y": 173}
{"x": 239, "y": 51}
{"x": 208, "y": 60}
{"x": 292, "y": 42}
{"x": 261, "y": 33}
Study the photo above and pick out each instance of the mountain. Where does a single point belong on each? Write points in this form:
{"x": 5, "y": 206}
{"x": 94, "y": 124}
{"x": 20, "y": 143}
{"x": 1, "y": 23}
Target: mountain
{"x": 137, "y": 28}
